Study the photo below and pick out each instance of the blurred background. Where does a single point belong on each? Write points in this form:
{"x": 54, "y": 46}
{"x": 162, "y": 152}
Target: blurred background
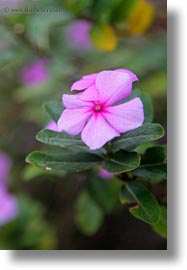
{"x": 44, "y": 47}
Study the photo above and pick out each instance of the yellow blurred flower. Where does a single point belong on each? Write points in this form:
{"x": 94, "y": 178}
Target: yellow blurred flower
{"x": 141, "y": 17}
{"x": 103, "y": 37}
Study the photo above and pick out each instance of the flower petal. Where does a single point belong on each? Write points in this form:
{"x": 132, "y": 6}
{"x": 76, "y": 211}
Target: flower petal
{"x": 105, "y": 174}
{"x": 97, "y": 132}
{"x": 73, "y": 121}
{"x": 52, "y": 125}
{"x": 74, "y": 102}
{"x": 127, "y": 116}
{"x": 90, "y": 94}
{"x": 77, "y": 34}
{"x": 85, "y": 82}
{"x": 90, "y": 76}
{"x": 113, "y": 86}
{"x": 8, "y": 207}
{"x": 130, "y": 73}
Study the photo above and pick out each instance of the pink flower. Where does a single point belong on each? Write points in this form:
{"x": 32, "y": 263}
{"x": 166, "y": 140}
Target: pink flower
{"x": 8, "y": 207}
{"x": 105, "y": 174}
{"x": 89, "y": 80}
{"x": 78, "y": 35}
{"x": 35, "y": 73}
{"x": 52, "y": 125}
{"x": 93, "y": 114}
{"x": 8, "y": 203}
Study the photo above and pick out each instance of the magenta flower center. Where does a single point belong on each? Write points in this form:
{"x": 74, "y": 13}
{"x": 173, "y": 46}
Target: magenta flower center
{"x": 98, "y": 107}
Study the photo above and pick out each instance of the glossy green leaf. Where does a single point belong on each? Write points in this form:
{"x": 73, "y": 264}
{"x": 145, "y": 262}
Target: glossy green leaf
{"x": 143, "y": 147}
{"x": 88, "y": 216}
{"x": 155, "y": 154}
{"x": 64, "y": 160}
{"x": 104, "y": 193}
{"x": 155, "y": 172}
{"x": 146, "y": 208}
{"x": 54, "y": 109}
{"x": 57, "y": 138}
{"x": 125, "y": 197}
{"x": 84, "y": 148}
{"x": 130, "y": 140}
{"x": 122, "y": 161}
{"x": 153, "y": 164}
{"x": 161, "y": 226}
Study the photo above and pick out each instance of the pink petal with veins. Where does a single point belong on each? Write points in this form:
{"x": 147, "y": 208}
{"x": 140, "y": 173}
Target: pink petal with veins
{"x": 74, "y": 101}
{"x": 127, "y": 116}
{"x": 113, "y": 86}
{"x": 73, "y": 121}
{"x": 97, "y": 132}
{"x": 85, "y": 82}
{"x": 133, "y": 76}
{"x": 90, "y": 94}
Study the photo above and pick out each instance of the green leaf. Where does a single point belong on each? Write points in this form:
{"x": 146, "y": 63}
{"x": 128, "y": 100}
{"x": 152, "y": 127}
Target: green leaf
{"x": 156, "y": 173}
{"x": 125, "y": 197}
{"x": 57, "y": 138}
{"x": 76, "y": 6}
{"x": 30, "y": 172}
{"x": 143, "y": 147}
{"x": 104, "y": 193}
{"x": 161, "y": 226}
{"x": 147, "y": 208}
{"x": 122, "y": 161}
{"x": 88, "y": 216}
{"x": 84, "y": 148}
{"x": 64, "y": 160}
{"x": 130, "y": 140}
{"x": 155, "y": 154}
{"x": 153, "y": 164}
{"x": 103, "y": 9}
{"x": 122, "y": 10}
{"x": 54, "y": 109}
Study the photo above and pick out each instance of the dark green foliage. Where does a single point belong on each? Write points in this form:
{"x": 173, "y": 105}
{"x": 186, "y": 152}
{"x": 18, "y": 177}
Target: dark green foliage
{"x": 122, "y": 161}
{"x": 146, "y": 206}
{"x": 130, "y": 140}
{"x": 153, "y": 164}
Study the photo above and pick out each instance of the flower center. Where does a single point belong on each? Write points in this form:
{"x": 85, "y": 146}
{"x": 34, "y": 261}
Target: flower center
{"x": 97, "y": 108}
